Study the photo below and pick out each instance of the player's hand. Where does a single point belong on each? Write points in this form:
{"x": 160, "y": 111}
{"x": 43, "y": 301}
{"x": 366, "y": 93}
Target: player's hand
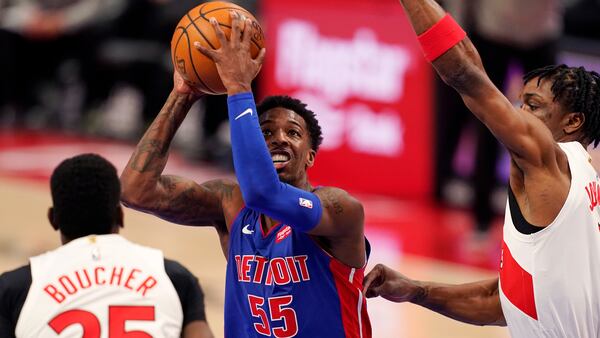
{"x": 234, "y": 62}
{"x": 391, "y": 285}
{"x": 181, "y": 87}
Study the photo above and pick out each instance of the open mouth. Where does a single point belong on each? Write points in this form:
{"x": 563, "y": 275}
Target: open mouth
{"x": 280, "y": 159}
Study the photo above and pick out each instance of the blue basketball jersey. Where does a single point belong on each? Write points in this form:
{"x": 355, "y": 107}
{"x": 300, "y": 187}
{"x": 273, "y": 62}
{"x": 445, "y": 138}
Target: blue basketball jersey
{"x": 282, "y": 284}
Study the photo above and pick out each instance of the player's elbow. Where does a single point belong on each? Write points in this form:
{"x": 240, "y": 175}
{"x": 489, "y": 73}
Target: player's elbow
{"x": 464, "y": 71}
{"x": 257, "y": 194}
{"x": 460, "y": 77}
{"x": 133, "y": 196}
{"x": 130, "y": 200}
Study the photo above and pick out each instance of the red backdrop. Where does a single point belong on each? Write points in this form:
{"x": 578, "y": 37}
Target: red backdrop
{"x": 358, "y": 66}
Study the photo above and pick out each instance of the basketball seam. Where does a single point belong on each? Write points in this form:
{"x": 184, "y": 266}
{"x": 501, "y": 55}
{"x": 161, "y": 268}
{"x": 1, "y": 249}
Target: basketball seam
{"x": 196, "y": 18}
{"x": 200, "y": 31}
{"x": 184, "y": 31}
{"x": 191, "y": 60}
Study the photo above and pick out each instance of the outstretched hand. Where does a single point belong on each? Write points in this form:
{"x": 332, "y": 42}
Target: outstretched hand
{"x": 234, "y": 62}
{"x": 391, "y": 285}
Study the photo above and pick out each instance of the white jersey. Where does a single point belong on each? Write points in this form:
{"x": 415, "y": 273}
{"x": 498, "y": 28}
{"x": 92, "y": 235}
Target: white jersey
{"x": 550, "y": 280}
{"x": 100, "y": 287}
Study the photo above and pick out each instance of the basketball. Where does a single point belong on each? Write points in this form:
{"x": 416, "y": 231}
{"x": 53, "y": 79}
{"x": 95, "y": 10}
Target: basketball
{"x": 196, "y": 69}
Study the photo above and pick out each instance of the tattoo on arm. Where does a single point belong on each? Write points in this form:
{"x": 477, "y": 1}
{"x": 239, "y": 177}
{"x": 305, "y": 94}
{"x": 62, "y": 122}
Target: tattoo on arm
{"x": 148, "y": 156}
{"x": 186, "y": 202}
{"x": 151, "y": 153}
{"x": 332, "y": 202}
{"x": 223, "y": 189}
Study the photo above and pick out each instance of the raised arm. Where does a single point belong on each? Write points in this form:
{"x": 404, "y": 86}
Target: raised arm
{"x": 525, "y": 136}
{"x": 474, "y": 303}
{"x": 173, "y": 198}
{"x": 328, "y": 212}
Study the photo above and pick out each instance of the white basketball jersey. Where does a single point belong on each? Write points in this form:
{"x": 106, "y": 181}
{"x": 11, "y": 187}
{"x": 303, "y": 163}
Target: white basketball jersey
{"x": 550, "y": 280}
{"x": 100, "y": 287}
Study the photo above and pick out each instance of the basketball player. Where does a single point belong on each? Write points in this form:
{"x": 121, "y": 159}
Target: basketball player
{"x": 295, "y": 253}
{"x": 98, "y": 284}
{"x": 550, "y": 265}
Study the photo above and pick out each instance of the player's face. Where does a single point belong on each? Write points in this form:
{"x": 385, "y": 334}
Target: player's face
{"x": 539, "y": 101}
{"x": 288, "y": 140}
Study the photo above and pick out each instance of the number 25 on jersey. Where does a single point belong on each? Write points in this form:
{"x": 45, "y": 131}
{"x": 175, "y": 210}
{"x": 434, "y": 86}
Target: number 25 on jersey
{"x": 117, "y": 316}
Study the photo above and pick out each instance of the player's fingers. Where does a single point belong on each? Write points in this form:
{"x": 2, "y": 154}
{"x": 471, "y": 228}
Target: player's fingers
{"x": 372, "y": 292}
{"x": 372, "y": 279}
{"x": 210, "y": 53}
{"x": 247, "y": 32}
{"x": 236, "y": 30}
{"x": 260, "y": 58}
{"x": 218, "y": 31}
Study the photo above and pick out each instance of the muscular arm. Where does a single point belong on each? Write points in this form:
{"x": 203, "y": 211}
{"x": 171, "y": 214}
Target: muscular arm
{"x": 529, "y": 141}
{"x": 341, "y": 226}
{"x": 172, "y": 198}
{"x": 343, "y": 215}
{"x": 475, "y": 303}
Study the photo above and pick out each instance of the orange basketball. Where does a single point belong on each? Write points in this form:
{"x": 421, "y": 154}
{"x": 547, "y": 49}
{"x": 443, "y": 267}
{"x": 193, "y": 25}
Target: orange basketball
{"x": 195, "y": 68}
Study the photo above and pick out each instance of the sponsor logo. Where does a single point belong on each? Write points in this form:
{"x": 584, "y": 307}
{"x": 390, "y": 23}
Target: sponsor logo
{"x": 247, "y": 231}
{"x": 340, "y": 68}
{"x": 283, "y": 234}
{"x": 245, "y": 112}
{"x": 305, "y": 203}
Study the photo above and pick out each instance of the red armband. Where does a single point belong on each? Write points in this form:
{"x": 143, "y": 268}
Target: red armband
{"x": 440, "y": 37}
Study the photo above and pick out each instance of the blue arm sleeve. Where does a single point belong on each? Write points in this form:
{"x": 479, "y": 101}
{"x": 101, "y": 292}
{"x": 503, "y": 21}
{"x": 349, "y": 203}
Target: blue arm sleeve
{"x": 259, "y": 183}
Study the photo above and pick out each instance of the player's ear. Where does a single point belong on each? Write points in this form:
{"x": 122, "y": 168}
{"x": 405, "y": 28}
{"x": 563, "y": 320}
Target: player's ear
{"x": 573, "y": 122}
{"x": 310, "y": 160}
{"x": 51, "y": 219}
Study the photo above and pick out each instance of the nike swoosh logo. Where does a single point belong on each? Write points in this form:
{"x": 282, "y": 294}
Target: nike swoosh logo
{"x": 245, "y": 112}
{"x": 247, "y": 231}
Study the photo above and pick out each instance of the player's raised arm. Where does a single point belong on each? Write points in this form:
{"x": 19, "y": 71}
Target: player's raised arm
{"x": 259, "y": 183}
{"x": 172, "y": 198}
{"x": 456, "y": 60}
{"x": 475, "y": 303}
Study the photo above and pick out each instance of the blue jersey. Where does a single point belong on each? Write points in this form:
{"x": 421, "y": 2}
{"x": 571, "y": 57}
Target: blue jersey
{"x": 282, "y": 284}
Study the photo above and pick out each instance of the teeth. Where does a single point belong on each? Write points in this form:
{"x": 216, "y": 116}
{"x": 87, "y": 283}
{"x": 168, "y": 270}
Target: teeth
{"x": 280, "y": 158}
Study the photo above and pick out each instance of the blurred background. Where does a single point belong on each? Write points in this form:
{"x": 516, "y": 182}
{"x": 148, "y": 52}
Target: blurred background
{"x": 90, "y": 75}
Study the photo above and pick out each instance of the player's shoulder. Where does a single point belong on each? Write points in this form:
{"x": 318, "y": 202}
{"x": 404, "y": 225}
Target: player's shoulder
{"x": 222, "y": 183}
{"x": 16, "y": 278}
{"x": 227, "y": 189}
{"x": 333, "y": 194}
{"x": 14, "y": 286}
{"x": 174, "y": 267}
{"x": 178, "y": 273}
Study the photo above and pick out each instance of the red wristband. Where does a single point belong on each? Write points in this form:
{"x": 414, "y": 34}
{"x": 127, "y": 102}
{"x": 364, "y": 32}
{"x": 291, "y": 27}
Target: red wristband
{"x": 440, "y": 37}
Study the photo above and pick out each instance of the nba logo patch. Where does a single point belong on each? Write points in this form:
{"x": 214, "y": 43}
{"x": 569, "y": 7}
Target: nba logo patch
{"x": 305, "y": 203}
{"x": 283, "y": 233}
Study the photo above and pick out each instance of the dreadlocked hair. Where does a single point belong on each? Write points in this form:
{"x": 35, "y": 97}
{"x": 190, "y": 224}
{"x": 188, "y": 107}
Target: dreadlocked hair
{"x": 577, "y": 90}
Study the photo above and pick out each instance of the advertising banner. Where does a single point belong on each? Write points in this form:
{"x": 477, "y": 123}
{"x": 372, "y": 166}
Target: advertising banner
{"x": 358, "y": 66}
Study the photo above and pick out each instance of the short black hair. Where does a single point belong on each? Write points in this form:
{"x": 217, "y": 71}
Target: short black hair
{"x": 299, "y": 107}
{"x": 577, "y": 90}
{"x": 85, "y": 195}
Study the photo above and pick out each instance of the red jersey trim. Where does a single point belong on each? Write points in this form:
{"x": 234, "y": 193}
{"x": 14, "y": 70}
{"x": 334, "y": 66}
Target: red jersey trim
{"x": 516, "y": 283}
{"x": 353, "y": 305}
